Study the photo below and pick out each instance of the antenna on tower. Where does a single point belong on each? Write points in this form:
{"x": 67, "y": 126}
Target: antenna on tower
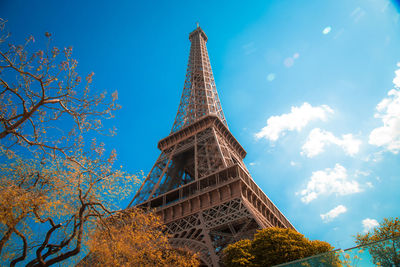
{"x": 197, "y": 24}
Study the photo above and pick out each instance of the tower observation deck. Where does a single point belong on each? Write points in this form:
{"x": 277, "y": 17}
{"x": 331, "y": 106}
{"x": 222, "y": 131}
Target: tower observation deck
{"x": 199, "y": 184}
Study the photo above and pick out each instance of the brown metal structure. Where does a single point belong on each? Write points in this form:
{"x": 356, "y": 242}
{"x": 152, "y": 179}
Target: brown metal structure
{"x": 199, "y": 184}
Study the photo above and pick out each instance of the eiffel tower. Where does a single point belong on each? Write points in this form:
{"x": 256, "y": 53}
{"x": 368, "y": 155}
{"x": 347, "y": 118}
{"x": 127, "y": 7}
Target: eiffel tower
{"x": 199, "y": 184}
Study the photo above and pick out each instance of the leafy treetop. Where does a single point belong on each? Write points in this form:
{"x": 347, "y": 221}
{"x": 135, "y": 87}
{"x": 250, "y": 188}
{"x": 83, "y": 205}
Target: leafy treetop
{"x": 383, "y": 242}
{"x": 274, "y": 246}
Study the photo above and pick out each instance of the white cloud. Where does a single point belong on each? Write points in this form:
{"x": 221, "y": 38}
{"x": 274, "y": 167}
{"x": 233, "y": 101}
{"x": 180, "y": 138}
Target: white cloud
{"x": 252, "y": 163}
{"x": 292, "y": 163}
{"x": 318, "y": 139}
{"x": 388, "y": 135}
{"x": 297, "y": 119}
{"x": 396, "y": 79}
{"x": 359, "y": 173}
{"x": 326, "y": 30}
{"x": 333, "y": 213}
{"x": 375, "y": 157}
{"x": 329, "y": 181}
{"x": 369, "y": 224}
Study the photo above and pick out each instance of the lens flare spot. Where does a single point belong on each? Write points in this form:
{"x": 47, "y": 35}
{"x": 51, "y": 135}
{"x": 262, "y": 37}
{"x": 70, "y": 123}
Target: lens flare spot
{"x": 326, "y": 30}
{"x": 271, "y": 77}
{"x": 288, "y": 62}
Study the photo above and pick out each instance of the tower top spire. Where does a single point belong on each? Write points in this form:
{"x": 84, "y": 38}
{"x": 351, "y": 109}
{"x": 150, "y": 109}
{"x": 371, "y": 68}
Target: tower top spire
{"x": 200, "y": 96}
{"x": 198, "y": 31}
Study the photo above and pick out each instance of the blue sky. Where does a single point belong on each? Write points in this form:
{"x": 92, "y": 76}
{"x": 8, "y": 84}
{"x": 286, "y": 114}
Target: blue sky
{"x": 304, "y": 86}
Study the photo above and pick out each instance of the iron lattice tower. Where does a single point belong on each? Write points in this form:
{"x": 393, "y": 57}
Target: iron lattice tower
{"x": 199, "y": 184}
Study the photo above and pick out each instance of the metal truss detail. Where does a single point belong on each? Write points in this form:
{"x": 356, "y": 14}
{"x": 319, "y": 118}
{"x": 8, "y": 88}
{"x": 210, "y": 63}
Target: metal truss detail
{"x": 225, "y": 213}
{"x": 199, "y": 97}
{"x": 200, "y": 185}
{"x": 190, "y": 159}
{"x": 151, "y": 180}
{"x": 209, "y": 231}
{"x": 183, "y": 225}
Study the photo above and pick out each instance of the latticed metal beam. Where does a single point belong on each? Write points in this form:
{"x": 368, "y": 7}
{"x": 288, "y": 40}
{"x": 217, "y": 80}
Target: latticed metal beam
{"x": 199, "y": 97}
{"x": 200, "y": 185}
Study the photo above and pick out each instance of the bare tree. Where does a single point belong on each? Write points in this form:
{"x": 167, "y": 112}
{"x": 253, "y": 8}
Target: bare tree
{"x": 50, "y": 174}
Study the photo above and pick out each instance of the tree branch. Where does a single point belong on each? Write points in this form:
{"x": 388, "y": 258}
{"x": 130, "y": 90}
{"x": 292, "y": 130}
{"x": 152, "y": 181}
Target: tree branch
{"x": 25, "y": 249}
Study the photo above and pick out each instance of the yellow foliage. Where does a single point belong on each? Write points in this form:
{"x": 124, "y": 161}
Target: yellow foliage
{"x": 383, "y": 242}
{"x": 48, "y": 176}
{"x": 35, "y": 192}
{"x": 135, "y": 238}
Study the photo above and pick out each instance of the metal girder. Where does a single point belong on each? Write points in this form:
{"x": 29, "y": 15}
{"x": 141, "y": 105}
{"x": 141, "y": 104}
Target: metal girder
{"x": 214, "y": 228}
{"x": 199, "y": 97}
{"x": 200, "y": 185}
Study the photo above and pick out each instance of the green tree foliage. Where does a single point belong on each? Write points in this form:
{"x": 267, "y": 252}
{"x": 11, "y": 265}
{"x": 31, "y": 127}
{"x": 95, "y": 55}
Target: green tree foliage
{"x": 239, "y": 254}
{"x": 383, "y": 243}
{"x": 274, "y": 246}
